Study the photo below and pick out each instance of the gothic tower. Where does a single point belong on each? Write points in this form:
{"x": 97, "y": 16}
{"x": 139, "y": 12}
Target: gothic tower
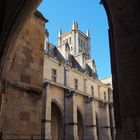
{"x": 79, "y": 46}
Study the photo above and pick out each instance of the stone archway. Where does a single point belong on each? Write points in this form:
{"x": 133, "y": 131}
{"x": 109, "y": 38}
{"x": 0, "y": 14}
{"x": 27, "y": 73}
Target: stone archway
{"x": 80, "y": 125}
{"x": 56, "y": 122}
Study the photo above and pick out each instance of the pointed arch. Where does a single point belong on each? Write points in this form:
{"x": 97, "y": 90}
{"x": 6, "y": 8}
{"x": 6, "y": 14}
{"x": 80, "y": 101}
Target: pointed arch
{"x": 97, "y": 125}
{"x": 80, "y": 124}
{"x": 56, "y": 121}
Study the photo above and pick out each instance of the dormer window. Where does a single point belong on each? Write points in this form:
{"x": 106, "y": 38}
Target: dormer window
{"x": 79, "y": 41}
{"x": 84, "y": 44}
{"x": 70, "y": 40}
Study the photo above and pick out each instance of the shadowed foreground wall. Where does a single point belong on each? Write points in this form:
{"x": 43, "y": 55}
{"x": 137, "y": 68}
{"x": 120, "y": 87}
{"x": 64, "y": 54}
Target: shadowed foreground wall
{"x": 21, "y": 90}
{"x": 124, "y": 33}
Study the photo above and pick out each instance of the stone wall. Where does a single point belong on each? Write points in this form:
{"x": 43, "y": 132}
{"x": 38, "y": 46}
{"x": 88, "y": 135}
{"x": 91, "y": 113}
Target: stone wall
{"x": 51, "y": 63}
{"x": 71, "y": 101}
{"x": 21, "y": 89}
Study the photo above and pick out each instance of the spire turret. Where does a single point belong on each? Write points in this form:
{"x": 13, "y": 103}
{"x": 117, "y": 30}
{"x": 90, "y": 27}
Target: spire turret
{"x": 59, "y": 33}
{"x": 75, "y": 25}
{"x": 88, "y": 33}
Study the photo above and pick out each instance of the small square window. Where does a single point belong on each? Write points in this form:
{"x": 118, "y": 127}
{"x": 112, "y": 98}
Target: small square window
{"x": 92, "y": 90}
{"x": 76, "y": 84}
{"x": 54, "y": 75}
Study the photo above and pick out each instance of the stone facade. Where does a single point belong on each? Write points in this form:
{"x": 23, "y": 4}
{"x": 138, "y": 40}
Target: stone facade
{"x": 93, "y": 107}
{"x": 82, "y": 102}
{"x": 20, "y": 102}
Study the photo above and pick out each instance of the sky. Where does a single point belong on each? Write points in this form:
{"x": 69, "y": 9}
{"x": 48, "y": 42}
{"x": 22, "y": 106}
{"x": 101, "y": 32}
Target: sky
{"x": 90, "y": 15}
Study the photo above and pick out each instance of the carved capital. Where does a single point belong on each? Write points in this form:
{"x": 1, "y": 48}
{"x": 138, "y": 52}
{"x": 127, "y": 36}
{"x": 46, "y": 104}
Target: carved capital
{"x": 88, "y": 99}
{"x": 102, "y": 104}
{"x": 69, "y": 93}
{"x": 46, "y": 84}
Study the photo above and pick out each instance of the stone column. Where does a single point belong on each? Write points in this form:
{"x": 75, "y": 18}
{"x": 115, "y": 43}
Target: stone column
{"x": 90, "y": 120}
{"x": 46, "y": 113}
{"x": 104, "y": 122}
{"x": 70, "y": 112}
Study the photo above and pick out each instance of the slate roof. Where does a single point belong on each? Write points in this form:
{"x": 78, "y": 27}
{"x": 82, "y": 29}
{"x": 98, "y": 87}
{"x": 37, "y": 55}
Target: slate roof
{"x": 89, "y": 71}
{"x": 57, "y": 55}
{"x": 72, "y": 62}
{"x": 53, "y": 52}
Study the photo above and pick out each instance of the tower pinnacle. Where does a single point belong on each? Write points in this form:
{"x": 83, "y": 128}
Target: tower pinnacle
{"x": 75, "y": 25}
{"x": 59, "y": 33}
{"x": 88, "y": 33}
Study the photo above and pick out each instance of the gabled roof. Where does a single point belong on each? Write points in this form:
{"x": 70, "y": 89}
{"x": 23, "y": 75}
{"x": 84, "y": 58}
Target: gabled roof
{"x": 55, "y": 53}
{"x": 89, "y": 70}
{"x": 74, "y": 63}
{"x": 52, "y": 51}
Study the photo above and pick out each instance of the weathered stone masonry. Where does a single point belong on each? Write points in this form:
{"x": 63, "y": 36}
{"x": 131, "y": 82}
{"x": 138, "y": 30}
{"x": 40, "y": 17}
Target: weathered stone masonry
{"x": 71, "y": 102}
{"x": 21, "y": 89}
